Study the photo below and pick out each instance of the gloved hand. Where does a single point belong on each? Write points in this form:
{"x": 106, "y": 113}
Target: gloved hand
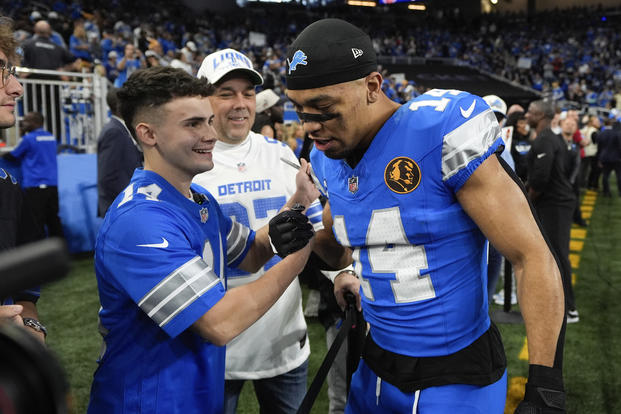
{"x": 544, "y": 392}
{"x": 289, "y": 231}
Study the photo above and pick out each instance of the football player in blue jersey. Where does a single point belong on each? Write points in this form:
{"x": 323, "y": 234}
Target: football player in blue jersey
{"x": 415, "y": 192}
{"x": 161, "y": 254}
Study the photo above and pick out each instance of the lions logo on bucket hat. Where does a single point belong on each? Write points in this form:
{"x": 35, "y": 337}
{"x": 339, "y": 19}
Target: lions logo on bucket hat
{"x": 328, "y": 52}
{"x": 219, "y": 64}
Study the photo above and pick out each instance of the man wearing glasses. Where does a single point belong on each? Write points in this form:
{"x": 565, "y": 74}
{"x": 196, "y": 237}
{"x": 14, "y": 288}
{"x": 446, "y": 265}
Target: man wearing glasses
{"x": 16, "y": 224}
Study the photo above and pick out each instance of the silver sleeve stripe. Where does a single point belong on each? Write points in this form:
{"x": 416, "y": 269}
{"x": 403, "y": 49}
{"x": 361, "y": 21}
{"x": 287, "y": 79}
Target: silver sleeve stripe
{"x": 178, "y": 290}
{"x": 236, "y": 241}
{"x": 467, "y": 142}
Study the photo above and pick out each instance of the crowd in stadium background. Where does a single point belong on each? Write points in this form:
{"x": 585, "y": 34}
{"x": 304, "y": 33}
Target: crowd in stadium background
{"x": 572, "y": 54}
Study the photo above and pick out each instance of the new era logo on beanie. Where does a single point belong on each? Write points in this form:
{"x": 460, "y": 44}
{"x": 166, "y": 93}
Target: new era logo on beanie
{"x": 328, "y": 52}
{"x": 218, "y": 64}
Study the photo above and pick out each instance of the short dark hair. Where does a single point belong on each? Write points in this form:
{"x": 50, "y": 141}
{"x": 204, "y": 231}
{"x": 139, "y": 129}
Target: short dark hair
{"x": 113, "y": 101}
{"x": 36, "y": 118}
{"x": 546, "y": 106}
{"x": 154, "y": 87}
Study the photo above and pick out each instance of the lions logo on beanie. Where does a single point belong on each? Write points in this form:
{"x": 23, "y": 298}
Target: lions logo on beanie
{"x": 328, "y": 52}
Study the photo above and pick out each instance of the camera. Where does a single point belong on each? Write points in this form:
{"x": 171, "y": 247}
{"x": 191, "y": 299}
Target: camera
{"x": 31, "y": 378}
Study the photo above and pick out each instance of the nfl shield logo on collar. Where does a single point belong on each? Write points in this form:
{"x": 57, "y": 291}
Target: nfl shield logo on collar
{"x": 204, "y": 214}
{"x": 241, "y": 166}
{"x": 352, "y": 184}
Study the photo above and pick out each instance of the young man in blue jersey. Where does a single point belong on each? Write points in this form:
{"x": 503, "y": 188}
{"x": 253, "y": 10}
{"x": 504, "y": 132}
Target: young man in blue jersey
{"x": 415, "y": 191}
{"x": 161, "y": 255}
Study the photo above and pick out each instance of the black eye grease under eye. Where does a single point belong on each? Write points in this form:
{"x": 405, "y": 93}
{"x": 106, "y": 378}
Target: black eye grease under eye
{"x": 306, "y": 117}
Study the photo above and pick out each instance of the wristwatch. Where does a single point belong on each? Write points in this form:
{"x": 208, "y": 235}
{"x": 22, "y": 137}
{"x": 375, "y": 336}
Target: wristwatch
{"x": 35, "y": 324}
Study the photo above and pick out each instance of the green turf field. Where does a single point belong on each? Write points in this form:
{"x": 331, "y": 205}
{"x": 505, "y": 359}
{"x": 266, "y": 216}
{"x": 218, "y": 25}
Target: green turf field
{"x": 592, "y": 352}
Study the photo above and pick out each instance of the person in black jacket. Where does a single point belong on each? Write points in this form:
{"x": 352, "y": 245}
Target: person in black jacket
{"x": 551, "y": 191}
{"x": 17, "y": 224}
{"x": 117, "y": 157}
{"x": 609, "y": 154}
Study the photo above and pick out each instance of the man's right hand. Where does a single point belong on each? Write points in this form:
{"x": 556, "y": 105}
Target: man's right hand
{"x": 11, "y": 313}
{"x": 346, "y": 282}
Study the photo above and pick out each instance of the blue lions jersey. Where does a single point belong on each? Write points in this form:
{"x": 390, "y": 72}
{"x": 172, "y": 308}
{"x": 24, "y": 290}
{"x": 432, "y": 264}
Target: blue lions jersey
{"x": 422, "y": 260}
{"x": 159, "y": 262}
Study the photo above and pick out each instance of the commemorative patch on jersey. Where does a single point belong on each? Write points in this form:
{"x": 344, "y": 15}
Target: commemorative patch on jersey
{"x": 402, "y": 175}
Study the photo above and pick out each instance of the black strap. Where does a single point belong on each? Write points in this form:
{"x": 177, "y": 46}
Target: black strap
{"x": 315, "y": 387}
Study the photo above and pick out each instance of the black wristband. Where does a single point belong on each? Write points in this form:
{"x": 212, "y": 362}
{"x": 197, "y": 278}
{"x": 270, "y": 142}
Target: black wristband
{"x": 544, "y": 389}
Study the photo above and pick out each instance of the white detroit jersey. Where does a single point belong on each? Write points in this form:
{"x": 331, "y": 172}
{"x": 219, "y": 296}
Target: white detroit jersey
{"x": 251, "y": 183}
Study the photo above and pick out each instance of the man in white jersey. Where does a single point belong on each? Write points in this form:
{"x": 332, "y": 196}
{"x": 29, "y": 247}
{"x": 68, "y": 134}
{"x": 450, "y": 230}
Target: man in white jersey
{"x": 251, "y": 183}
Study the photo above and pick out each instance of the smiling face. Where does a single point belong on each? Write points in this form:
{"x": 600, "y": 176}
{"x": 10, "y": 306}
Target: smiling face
{"x": 234, "y": 105}
{"x": 345, "y": 129}
{"x": 179, "y": 139}
{"x": 9, "y": 94}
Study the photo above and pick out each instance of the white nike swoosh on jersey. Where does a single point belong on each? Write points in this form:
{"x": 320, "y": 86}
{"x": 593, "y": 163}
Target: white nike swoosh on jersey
{"x": 543, "y": 154}
{"x": 162, "y": 245}
{"x": 466, "y": 113}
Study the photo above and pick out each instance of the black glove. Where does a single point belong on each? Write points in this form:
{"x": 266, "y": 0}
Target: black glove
{"x": 290, "y": 231}
{"x": 544, "y": 392}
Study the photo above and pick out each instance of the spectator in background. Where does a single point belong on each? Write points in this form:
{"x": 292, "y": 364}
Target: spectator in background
{"x": 568, "y": 130}
{"x": 589, "y": 168}
{"x": 181, "y": 61}
{"x": 117, "y": 157}
{"x": 79, "y": 44}
{"x": 609, "y": 154}
{"x": 17, "y": 226}
{"x": 294, "y": 137}
{"x": 274, "y": 351}
{"x": 37, "y": 154}
{"x": 131, "y": 61}
{"x": 264, "y": 123}
{"x": 110, "y": 64}
{"x": 520, "y": 142}
{"x": 41, "y": 53}
{"x": 551, "y": 191}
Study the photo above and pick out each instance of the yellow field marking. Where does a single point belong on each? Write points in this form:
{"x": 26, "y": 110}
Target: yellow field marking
{"x": 524, "y": 351}
{"x": 591, "y": 193}
{"x": 578, "y": 234}
{"x": 587, "y": 214}
{"x": 574, "y": 259}
{"x": 574, "y": 279}
{"x": 576, "y": 245}
{"x": 584, "y": 208}
{"x": 515, "y": 393}
{"x": 588, "y": 202}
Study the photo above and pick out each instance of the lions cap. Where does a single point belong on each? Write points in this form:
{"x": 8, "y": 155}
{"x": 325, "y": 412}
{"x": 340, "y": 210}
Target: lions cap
{"x": 218, "y": 64}
{"x": 496, "y": 103}
{"x": 328, "y": 52}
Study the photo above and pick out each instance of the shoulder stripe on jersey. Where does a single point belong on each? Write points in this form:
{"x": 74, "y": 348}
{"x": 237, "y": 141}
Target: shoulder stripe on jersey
{"x": 236, "y": 241}
{"x": 178, "y": 290}
{"x": 467, "y": 142}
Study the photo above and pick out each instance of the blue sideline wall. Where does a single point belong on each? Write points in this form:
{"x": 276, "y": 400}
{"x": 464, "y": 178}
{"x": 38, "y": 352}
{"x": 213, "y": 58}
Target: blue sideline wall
{"x": 77, "y": 192}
